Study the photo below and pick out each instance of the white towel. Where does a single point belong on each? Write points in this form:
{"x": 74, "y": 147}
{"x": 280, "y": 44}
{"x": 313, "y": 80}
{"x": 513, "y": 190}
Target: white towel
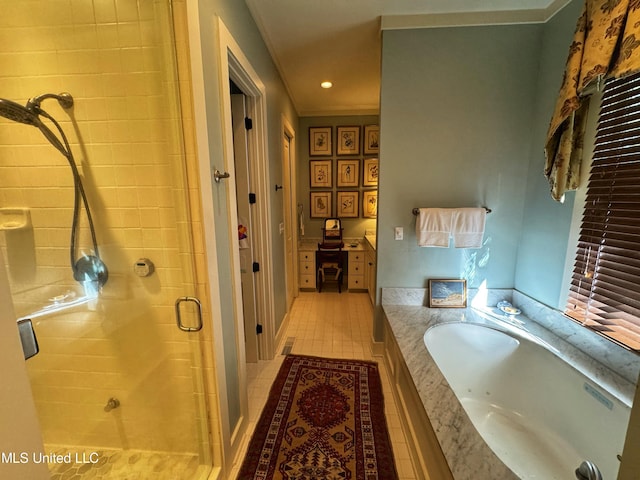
{"x": 468, "y": 227}
{"x": 433, "y": 227}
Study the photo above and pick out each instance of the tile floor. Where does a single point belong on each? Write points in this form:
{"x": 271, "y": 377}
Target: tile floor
{"x": 110, "y": 464}
{"x": 334, "y": 325}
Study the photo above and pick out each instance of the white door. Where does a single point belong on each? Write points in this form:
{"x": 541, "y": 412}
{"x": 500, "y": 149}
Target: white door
{"x": 246, "y": 232}
{"x": 289, "y": 220}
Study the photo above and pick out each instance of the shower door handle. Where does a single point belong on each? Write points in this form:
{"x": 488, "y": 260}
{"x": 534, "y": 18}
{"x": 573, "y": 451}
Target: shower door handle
{"x": 181, "y": 326}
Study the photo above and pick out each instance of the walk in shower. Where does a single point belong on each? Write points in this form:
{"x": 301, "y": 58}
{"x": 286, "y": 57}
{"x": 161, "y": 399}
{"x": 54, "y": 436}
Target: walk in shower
{"x": 115, "y": 381}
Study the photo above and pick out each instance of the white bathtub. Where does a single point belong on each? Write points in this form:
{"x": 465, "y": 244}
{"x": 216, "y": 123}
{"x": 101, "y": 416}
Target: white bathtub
{"x": 539, "y": 415}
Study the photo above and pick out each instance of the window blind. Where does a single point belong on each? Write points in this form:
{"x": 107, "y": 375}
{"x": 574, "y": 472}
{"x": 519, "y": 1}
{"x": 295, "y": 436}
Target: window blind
{"x": 605, "y": 285}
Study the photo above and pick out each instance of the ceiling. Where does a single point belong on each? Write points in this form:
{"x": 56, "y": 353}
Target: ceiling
{"x": 339, "y": 40}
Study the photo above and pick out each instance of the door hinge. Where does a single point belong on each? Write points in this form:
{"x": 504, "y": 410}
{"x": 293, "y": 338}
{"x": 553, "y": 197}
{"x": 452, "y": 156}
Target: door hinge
{"x": 252, "y": 198}
{"x": 256, "y": 267}
{"x": 258, "y": 329}
{"x": 248, "y": 123}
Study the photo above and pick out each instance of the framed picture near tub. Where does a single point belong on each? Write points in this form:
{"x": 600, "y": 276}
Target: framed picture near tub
{"x": 445, "y": 293}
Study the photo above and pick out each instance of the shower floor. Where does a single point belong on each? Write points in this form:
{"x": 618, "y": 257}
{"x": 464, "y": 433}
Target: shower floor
{"x": 106, "y": 464}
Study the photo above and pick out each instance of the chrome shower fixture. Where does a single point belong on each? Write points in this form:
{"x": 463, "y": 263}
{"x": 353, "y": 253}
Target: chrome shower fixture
{"x": 64, "y": 99}
{"x": 30, "y": 114}
{"x": 17, "y": 113}
{"x": 87, "y": 268}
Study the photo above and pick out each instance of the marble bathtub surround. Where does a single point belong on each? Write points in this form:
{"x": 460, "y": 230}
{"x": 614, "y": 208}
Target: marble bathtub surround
{"x": 467, "y": 454}
{"x": 601, "y": 360}
{"x": 622, "y": 361}
{"x": 614, "y": 369}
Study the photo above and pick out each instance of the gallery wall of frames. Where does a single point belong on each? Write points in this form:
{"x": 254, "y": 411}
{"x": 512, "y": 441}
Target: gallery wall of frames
{"x": 343, "y": 171}
{"x": 337, "y": 172}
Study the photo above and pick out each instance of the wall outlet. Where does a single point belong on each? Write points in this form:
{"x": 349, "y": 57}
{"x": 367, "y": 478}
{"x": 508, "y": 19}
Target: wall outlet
{"x": 399, "y": 233}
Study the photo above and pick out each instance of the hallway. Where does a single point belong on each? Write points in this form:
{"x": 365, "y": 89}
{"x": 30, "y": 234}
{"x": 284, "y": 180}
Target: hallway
{"x": 328, "y": 325}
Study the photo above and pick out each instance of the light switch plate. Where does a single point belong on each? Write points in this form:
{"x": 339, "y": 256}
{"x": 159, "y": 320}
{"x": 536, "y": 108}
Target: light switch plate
{"x": 399, "y": 233}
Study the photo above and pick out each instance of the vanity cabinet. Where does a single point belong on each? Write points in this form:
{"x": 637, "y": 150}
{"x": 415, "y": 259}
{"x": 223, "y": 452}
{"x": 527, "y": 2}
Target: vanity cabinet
{"x": 355, "y": 271}
{"x": 307, "y": 269}
{"x": 428, "y": 460}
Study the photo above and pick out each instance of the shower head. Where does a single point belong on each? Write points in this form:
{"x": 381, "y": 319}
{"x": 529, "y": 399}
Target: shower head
{"x": 30, "y": 115}
{"x": 64, "y": 99}
{"x": 17, "y": 113}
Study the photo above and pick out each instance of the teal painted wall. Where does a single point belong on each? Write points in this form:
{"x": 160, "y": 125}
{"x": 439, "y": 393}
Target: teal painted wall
{"x": 463, "y": 116}
{"x": 543, "y": 241}
{"x": 456, "y": 111}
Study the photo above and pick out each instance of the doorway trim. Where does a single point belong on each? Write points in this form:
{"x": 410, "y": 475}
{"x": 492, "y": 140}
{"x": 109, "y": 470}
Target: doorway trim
{"x": 290, "y": 189}
{"x": 235, "y": 66}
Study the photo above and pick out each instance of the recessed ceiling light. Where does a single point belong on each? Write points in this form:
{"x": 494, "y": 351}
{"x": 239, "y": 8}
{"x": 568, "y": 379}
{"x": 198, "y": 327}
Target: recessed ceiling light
{"x": 326, "y": 84}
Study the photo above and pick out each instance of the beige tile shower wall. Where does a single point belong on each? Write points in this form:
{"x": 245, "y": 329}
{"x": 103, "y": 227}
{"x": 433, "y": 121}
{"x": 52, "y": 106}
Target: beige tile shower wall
{"x": 114, "y": 58}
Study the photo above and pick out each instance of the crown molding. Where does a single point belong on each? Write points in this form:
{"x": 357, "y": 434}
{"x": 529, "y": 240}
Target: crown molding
{"x": 469, "y": 19}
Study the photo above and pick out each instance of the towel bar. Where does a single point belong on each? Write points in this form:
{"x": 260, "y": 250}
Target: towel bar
{"x": 416, "y": 211}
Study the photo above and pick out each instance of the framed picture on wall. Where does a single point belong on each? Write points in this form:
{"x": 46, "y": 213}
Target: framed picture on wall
{"x": 448, "y": 293}
{"x": 371, "y": 139}
{"x": 370, "y": 172}
{"x": 320, "y": 205}
{"x": 347, "y": 204}
{"x": 348, "y": 173}
{"x": 320, "y": 141}
{"x": 320, "y": 174}
{"x": 370, "y": 204}
{"x": 348, "y": 140}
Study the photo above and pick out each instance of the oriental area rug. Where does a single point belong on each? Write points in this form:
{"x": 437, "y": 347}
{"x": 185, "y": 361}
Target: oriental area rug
{"x": 323, "y": 420}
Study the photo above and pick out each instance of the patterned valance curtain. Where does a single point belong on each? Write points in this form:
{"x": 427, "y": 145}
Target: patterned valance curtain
{"x": 605, "y": 44}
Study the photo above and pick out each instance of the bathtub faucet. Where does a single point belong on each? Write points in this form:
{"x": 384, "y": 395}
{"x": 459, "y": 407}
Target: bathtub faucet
{"x": 588, "y": 471}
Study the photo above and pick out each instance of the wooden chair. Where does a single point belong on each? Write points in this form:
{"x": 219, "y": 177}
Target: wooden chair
{"x": 329, "y": 257}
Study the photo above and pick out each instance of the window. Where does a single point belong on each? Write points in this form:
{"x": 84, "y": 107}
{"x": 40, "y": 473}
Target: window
{"x": 605, "y": 285}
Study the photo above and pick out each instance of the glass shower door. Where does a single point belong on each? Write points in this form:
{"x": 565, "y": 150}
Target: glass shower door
{"x": 118, "y": 387}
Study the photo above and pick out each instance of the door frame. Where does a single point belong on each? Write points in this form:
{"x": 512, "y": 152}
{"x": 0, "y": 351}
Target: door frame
{"x": 244, "y": 186}
{"x": 235, "y": 66}
{"x": 290, "y": 190}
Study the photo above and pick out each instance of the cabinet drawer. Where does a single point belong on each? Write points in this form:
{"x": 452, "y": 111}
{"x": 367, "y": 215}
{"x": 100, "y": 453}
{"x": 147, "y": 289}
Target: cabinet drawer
{"x": 356, "y": 257}
{"x": 356, "y": 282}
{"x": 307, "y": 281}
{"x": 356, "y": 268}
{"x": 307, "y": 256}
{"x": 307, "y": 268}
